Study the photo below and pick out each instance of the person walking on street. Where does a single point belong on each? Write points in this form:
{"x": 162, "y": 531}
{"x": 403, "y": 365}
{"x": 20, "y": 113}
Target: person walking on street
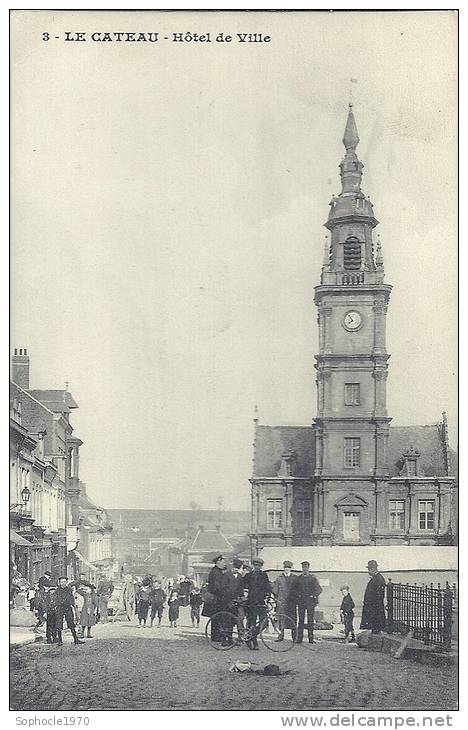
{"x": 259, "y": 588}
{"x": 373, "y": 609}
{"x": 307, "y": 590}
{"x": 347, "y": 613}
{"x": 144, "y": 601}
{"x": 196, "y": 602}
{"x": 157, "y": 598}
{"x": 283, "y": 590}
{"x": 105, "y": 590}
{"x": 65, "y": 602}
{"x": 87, "y": 617}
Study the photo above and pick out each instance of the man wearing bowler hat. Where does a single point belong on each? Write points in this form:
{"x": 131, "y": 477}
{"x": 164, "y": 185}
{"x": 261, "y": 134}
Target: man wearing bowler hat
{"x": 283, "y": 589}
{"x": 259, "y": 588}
{"x": 307, "y": 590}
{"x": 373, "y": 609}
{"x": 216, "y": 592}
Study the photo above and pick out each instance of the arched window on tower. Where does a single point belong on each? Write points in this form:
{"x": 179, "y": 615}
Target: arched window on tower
{"x": 352, "y": 254}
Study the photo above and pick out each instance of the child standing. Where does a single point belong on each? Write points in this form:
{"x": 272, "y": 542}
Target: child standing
{"x": 173, "y": 604}
{"x": 88, "y": 610}
{"x": 195, "y": 604}
{"x": 144, "y": 601}
{"x": 347, "y": 613}
{"x": 158, "y": 596}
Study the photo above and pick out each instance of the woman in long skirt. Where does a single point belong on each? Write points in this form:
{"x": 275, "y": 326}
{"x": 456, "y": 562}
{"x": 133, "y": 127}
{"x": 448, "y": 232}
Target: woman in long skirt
{"x": 173, "y": 604}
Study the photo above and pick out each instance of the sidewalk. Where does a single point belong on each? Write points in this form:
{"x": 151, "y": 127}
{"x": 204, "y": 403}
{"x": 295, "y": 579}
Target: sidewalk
{"x": 22, "y": 635}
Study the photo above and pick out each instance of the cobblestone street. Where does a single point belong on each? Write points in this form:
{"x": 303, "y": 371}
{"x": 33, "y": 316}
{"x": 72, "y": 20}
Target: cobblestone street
{"x": 125, "y": 667}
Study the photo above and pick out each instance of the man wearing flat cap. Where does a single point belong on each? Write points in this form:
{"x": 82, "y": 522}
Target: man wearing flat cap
{"x": 307, "y": 591}
{"x": 259, "y": 588}
{"x": 373, "y": 609}
{"x": 283, "y": 589}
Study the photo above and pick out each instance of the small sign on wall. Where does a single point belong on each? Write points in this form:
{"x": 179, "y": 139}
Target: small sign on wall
{"x": 324, "y": 582}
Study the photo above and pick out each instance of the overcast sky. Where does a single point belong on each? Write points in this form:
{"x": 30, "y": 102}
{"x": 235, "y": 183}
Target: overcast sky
{"x": 167, "y": 228}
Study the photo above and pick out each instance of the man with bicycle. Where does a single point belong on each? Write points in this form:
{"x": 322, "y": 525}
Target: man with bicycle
{"x": 259, "y": 588}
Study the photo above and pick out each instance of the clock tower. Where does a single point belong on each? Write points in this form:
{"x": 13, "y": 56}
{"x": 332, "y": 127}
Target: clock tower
{"x": 352, "y": 425}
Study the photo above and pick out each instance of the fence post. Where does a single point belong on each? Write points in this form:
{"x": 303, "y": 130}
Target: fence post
{"x": 390, "y": 606}
{"x": 448, "y": 601}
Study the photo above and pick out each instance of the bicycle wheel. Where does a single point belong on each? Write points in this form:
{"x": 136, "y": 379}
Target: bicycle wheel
{"x": 278, "y": 632}
{"x": 222, "y": 631}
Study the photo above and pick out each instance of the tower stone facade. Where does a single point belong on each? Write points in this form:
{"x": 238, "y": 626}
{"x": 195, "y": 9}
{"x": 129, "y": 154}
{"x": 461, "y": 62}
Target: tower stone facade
{"x": 351, "y": 478}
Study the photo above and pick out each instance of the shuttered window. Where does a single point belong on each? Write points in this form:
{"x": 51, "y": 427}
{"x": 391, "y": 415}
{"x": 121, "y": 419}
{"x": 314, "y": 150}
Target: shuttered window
{"x": 352, "y": 254}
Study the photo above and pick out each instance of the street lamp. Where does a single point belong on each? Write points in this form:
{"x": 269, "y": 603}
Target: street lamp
{"x": 25, "y": 495}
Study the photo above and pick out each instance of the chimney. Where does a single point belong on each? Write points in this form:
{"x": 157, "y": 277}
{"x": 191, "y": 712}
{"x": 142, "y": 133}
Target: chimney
{"x": 20, "y": 368}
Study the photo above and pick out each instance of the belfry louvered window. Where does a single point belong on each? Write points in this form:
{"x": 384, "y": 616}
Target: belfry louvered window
{"x": 352, "y": 254}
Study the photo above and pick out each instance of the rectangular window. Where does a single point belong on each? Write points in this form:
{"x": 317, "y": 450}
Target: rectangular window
{"x": 351, "y": 525}
{"x": 274, "y": 513}
{"x": 396, "y": 514}
{"x": 303, "y": 514}
{"x": 352, "y": 394}
{"x": 426, "y": 514}
{"x": 352, "y": 452}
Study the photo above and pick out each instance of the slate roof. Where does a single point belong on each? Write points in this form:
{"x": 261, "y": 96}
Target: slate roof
{"x": 426, "y": 439}
{"x": 210, "y": 541}
{"x": 272, "y": 441}
{"x": 58, "y": 401}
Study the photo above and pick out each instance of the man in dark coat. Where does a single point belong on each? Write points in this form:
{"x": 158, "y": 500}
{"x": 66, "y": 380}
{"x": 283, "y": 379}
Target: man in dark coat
{"x": 216, "y": 590}
{"x": 40, "y": 598}
{"x": 65, "y": 602}
{"x": 373, "y": 609}
{"x": 259, "y": 588}
{"x": 306, "y": 590}
{"x": 284, "y": 590}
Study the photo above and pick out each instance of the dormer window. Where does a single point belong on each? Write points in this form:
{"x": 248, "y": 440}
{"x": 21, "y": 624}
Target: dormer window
{"x": 288, "y": 459}
{"x": 411, "y": 462}
{"x": 352, "y": 254}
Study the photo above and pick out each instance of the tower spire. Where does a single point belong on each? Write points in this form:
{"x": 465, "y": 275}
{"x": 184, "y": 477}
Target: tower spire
{"x": 350, "y": 137}
{"x": 351, "y": 221}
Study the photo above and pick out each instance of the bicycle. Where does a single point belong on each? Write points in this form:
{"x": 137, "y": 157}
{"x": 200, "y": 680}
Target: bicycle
{"x": 276, "y": 631}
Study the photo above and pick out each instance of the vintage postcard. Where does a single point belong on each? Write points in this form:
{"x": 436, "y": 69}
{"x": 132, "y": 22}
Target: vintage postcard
{"x": 233, "y": 393}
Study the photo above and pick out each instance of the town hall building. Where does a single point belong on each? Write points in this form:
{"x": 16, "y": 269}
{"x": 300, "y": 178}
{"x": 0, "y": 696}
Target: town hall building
{"x": 351, "y": 478}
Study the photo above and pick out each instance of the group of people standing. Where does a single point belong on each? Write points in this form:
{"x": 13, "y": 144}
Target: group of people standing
{"x": 244, "y": 592}
{"x": 149, "y": 597}
{"x": 237, "y": 589}
{"x": 79, "y": 603}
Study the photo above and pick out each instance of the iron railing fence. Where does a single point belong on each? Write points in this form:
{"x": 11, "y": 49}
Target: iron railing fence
{"x": 426, "y": 610}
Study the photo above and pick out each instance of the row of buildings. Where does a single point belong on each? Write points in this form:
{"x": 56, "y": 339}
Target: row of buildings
{"x": 54, "y": 525}
{"x": 177, "y": 542}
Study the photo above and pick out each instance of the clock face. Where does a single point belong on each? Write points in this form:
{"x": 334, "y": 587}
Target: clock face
{"x": 352, "y": 320}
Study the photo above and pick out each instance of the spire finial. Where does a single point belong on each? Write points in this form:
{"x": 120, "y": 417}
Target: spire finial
{"x": 255, "y": 418}
{"x": 350, "y": 137}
